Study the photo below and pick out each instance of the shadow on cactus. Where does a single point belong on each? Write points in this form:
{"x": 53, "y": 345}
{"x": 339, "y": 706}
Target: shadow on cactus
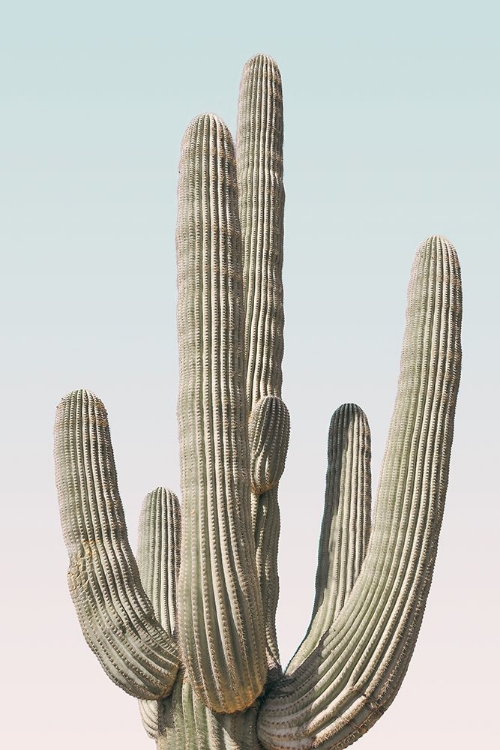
{"x": 189, "y": 628}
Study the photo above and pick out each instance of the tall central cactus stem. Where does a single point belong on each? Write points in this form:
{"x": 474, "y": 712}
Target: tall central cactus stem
{"x": 190, "y": 629}
{"x": 220, "y": 611}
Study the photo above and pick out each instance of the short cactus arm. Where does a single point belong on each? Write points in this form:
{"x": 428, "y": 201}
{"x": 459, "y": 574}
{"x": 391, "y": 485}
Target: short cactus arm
{"x": 220, "y": 620}
{"x": 158, "y": 553}
{"x": 346, "y": 523}
{"x": 342, "y": 688}
{"x": 261, "y": 205}
{"x": 158, "y": 559}
{"x": 116, "y": 616}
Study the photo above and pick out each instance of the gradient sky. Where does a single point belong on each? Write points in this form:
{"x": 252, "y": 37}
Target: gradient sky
{"x": 392, "y": 122}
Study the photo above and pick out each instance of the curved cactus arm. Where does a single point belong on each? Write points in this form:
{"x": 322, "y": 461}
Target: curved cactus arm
{"x": 346, "y": 523}
{"x": 261, "y": 208}
{"x": 158, "y": 559}
{"x": 353, "y": 675}
{"x": 220, "y": 619}
{"x": 115, "y": 614}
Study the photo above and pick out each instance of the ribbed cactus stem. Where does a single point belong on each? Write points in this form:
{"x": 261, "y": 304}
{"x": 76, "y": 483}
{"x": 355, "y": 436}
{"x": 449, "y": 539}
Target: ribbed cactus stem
{"x": 116, "y": 616}
{"x": 267, "y": 531}
{"x": 181, "y": 720}
{"x": 221, "y": 630}
{"x": 269, "y": 432}
{"x": 190, "y": 725}
{"x": 261, "y": 205}
{"x": 158, "y": 559}
{"x": 262, "y": 202}
{"x": 158, "y": 553}
{"x": 364, "y": 656}
{"x": 346, "y": 522}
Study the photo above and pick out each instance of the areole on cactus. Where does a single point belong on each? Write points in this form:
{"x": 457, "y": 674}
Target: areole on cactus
{"x": 189, "y": 628}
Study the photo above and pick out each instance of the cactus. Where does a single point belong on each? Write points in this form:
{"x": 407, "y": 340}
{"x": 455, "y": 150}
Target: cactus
{"x": 189, "y": 629}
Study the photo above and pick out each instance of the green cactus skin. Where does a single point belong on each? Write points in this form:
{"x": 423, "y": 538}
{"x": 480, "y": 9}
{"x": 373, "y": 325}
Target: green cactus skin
{"x": 208, "y": 585}
{"x": 116, "y": 616}
{"x": 188, "y": 723}
{"x": 346, "y": 523}
{"x": 158, "y": 560}
{"x": 269, "y": 431}
{"x": 343, "y": 687}
{"x": 220, "y": 610}
{"x": 261, "y": 208}
{"x": 158, "y": 553}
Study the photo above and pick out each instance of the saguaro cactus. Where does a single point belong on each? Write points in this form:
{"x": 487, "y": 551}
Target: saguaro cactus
{"x": 190, "y": 628}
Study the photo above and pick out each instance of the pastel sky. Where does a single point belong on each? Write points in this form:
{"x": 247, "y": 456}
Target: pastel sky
{"x": 392, "y": 122}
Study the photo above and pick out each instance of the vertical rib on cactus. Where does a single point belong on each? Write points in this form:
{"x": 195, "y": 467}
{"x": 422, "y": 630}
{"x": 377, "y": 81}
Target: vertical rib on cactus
{"x": 269, "y": 431}
{"x": 261, "y": 204}
{"x": 158, "y": 553}
{"x": 158, "y": 558}
{"x": 116, "y": 616}
{"x": 190, "y": 725}
{"x": 221, "y": 630}
{"x": 346, "y": 522}
{"x": 346, "y": 525}
{"x": 341, "y": 689}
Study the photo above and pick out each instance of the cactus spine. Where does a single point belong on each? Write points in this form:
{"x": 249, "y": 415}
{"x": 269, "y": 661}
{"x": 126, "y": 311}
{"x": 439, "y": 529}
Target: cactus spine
{"x": 190, "y": 629}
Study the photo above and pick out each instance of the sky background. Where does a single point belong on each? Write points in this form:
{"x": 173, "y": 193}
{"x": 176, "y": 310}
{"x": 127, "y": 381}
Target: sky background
{"x": 392, "y": 122}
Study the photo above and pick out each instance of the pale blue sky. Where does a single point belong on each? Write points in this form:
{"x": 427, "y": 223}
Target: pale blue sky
{"x": 392, "y": 116}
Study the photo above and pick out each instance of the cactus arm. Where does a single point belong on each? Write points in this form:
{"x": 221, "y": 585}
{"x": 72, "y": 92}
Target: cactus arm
{"x": 219, "y": 604}
{"x": 261, "y": 206}
{"x": 269, "y": 433}
{"x": 341, "y": 689}
{"x": 158, "y": 559}
{"x": 346, "y": 531}
{"x": 116, "y": 616}
{"x": 158, "y": 553}
{"x": 346, "y": 523}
